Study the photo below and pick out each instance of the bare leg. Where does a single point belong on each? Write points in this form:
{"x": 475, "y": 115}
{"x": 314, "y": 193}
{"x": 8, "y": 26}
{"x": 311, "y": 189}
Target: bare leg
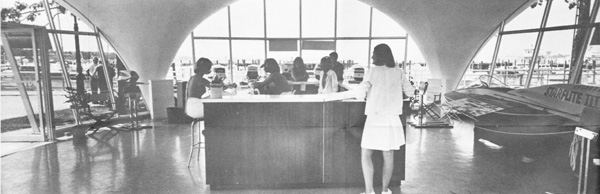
{"x": 388, "y": 168}
{"x": 367, "y": 168}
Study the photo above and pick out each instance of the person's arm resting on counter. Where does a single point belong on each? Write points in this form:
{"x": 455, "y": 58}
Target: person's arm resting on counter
{"x": 267, "y": 81}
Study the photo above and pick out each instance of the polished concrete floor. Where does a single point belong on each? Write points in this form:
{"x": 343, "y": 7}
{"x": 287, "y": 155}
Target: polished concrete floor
{"x": 155, "y": 161}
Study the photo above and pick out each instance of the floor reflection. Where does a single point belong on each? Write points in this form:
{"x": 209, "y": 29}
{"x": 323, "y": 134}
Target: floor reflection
{"x": 155, "y": 161}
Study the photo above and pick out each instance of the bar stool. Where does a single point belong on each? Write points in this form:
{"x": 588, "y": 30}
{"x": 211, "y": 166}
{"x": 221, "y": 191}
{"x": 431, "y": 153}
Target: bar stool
{"x": 133, "y": 105}
{"x": 195, "y": 109}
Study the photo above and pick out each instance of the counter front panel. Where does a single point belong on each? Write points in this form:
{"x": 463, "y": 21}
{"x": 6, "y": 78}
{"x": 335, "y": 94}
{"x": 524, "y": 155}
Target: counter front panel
{"x": 288, "y": 145}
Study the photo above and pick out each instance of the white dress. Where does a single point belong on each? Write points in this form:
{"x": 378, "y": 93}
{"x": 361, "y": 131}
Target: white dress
{"x": 383, "y": 128}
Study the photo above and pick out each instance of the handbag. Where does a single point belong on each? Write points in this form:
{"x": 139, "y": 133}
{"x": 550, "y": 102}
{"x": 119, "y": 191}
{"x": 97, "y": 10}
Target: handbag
{"x": 194, "y": 108}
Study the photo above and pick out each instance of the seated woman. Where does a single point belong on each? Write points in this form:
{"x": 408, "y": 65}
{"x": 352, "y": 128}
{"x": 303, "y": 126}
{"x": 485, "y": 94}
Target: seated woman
{"x": 275, "y": 82}
{"x": 197, "y": 87}
{"x": 299, "y": 73}
{"x": 329, "y": 81}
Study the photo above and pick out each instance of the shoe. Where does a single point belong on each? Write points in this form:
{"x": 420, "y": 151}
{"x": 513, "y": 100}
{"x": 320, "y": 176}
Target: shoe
{"x": 368, "y": 193}
{"x": 387, "y": 192}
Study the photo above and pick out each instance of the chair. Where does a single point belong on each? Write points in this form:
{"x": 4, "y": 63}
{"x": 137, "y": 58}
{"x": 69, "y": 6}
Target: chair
{"x": 102, "y": 118}
{"x": 195, "y": 109}
{"x": 430, "y": 109}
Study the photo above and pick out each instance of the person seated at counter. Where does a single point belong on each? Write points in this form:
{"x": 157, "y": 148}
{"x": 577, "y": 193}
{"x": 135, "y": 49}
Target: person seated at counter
{"x": 275, "y": 82}
{"x": 197, "y": 87}
{"x": 329, "y": 81}
{"x": 298, "y": 71}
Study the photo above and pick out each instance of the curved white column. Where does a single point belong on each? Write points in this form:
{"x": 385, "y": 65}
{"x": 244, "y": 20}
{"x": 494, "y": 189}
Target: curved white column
{"x": 449, "y": 32}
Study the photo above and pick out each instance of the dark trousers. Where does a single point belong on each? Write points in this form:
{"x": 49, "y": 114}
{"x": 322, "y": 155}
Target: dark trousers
{"x": 94, "y": 85}
{"x": 102, "y": 85}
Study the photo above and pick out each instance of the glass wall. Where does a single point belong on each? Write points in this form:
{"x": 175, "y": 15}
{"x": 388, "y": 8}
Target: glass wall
{"x": 515, "y": 55}
{"x": 247, "y": 19}
{"x": 321, "y": 11}
{"x": 293, "y": 21}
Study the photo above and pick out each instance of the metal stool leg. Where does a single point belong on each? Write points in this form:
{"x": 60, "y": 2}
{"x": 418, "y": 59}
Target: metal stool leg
{"x": 193, "y": 142}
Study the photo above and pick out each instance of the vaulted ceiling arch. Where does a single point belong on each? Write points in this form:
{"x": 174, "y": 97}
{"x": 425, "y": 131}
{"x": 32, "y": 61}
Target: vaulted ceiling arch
{"x": 148, "y": 34}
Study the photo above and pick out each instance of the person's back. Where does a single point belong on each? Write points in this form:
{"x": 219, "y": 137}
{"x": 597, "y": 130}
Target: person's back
{"x": 197, "y": 86}
{"x": 280, "y": 84}
{"x": 338, "y": 68}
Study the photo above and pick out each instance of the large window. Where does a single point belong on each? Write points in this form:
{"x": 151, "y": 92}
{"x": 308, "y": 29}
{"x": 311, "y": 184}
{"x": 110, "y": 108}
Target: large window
{"x": 310, "y": 29}
{"x": 515, "y": 64}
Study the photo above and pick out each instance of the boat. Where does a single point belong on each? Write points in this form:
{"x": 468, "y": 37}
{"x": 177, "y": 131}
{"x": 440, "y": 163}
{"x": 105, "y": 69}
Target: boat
{"x": 507, "y": 116}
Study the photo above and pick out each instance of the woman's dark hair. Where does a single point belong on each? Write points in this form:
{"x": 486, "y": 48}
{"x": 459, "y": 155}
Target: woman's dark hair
{"x": 326, "y": 64}
{"x": 271, "y": 66}
{"x": 384, "y": 55}
{"x": 203, "y": 66}
{"x": 299, "y": 68}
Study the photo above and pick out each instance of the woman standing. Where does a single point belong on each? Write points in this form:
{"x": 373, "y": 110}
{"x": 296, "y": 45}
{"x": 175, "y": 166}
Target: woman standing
{"x": 329, "y": 81}
{"x": 384, "y": 85}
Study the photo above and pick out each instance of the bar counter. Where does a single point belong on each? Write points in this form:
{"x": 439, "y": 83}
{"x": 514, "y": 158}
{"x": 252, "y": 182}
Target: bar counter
{"x": 287, "y": 141}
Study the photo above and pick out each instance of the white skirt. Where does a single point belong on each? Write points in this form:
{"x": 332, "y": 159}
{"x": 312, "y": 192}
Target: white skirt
{"x": 383, "y": 132}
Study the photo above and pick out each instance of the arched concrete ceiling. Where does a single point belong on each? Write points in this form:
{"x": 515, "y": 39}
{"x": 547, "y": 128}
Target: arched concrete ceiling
{"x": 449, "y": 32}
{"x": 148, "y": 34}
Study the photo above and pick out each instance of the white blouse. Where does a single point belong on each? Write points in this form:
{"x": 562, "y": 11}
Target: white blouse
{"x": 383, "y": 87}
{"x": 331, "y": 83}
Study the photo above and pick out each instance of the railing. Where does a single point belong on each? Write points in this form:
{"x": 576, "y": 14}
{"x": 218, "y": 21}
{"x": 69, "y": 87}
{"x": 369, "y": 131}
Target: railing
{"x": 515, "y": 78}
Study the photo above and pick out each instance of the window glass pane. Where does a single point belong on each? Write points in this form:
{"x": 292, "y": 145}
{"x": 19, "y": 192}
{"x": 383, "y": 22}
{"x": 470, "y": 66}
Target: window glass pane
{"x": 314, "y": 56}
{"x": 385, "y": 26}
{"x": 529, "y": 18}
{"x": 283, "y": 18}
{"x": 513, "y": 60}
{"x": 318, "y": 18}
{"x": 591, "y": 73}
{"x": 215, "y": 50}
{"x": 480, "y": 64}
{"x": 554, "y": 54}
{"x": 62, "y": 22}
{"x": 215, "y": 25}
{"x": 247, "y": 19}
{"x": 246, "y": 52}
{"x": 560, "y": 14}
{"x": 352, "y": 53}
{"x": 353, "y": 19}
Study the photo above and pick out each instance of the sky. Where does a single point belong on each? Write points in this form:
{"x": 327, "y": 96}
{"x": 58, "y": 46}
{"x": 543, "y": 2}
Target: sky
{"x": 352, "y": 22}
